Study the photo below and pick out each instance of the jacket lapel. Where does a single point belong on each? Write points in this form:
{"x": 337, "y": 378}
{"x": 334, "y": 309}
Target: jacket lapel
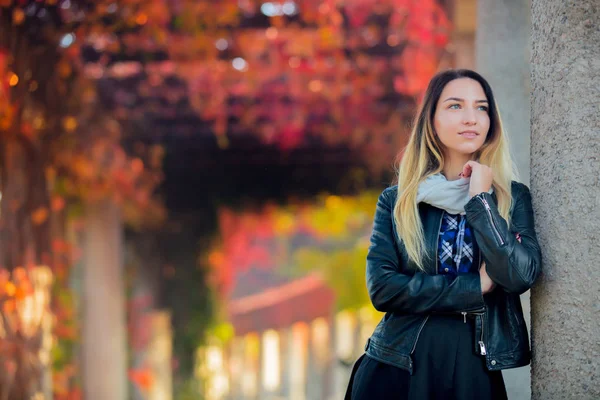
{"x": 431, "y": 218}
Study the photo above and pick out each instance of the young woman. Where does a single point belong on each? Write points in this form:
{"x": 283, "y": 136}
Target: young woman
{"x": 452, "y": 248}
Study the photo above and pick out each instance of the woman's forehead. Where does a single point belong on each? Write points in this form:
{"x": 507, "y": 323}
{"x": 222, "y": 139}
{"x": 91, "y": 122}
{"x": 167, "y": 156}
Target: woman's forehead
{"x": 463, "y": 89}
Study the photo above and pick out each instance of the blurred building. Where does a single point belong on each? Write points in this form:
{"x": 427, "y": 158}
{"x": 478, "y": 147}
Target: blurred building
{"x": 290, "y": 343}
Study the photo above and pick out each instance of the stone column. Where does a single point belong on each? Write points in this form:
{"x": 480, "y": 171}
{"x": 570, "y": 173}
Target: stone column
{"x": 463, "y": 14}
{"x": 236, "y": 367}
{"x": 104, "y": 343}
{"x": 502, "y": 56}
{"x": 284, "y": 362}
{"x": 319, "y": 359}
{"x": 160, "y": 356}
{"x": 565, "y": 183}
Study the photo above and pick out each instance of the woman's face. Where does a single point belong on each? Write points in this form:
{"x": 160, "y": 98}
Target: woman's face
{"x": 461, "y": 118}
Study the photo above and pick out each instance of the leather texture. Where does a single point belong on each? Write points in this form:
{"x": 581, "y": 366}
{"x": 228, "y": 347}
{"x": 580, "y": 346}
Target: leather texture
{"x": 408, "y": 296}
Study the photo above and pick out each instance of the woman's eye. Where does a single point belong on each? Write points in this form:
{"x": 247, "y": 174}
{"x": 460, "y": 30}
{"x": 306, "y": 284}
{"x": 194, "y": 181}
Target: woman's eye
{"x": 483, "y": 108}
{"x": 454, "y": 106}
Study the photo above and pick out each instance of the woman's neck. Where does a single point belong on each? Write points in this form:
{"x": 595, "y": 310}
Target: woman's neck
{"x": 453, "y": 165}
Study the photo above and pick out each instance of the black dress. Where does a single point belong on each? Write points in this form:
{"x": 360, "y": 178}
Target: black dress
{"x": 445, "y": 367}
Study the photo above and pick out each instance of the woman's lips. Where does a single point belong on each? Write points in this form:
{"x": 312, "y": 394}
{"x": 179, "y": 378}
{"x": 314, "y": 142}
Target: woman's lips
{"x": 469, "y": 134}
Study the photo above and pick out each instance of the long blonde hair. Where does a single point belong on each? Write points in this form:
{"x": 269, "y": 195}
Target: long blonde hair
{"x": 423, "y": 156}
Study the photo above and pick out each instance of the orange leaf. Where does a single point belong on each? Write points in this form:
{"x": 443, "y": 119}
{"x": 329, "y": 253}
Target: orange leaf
{"x": 142, "y": 378}
{"x": 21, "y": 293}
{"x": 9, "y": 306}
{"x": 70, "y": 123}
{"x": 60, "y": 246}
{"x": 137, "y": 166}
{"x": 18, "y": 16}
{"x": 58, "y": 203}
{"x": 39, "y": 216}
{"x": 19, "y": 274}
{"x": 64, "y": 69}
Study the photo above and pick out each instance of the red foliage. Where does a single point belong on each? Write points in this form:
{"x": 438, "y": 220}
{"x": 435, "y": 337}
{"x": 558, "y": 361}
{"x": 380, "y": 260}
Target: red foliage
{"x": 142, "y": 378}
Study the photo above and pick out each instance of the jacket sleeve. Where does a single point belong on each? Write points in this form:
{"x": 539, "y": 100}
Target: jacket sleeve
{"x": 510, "y": 263}
{"x": 391, "y": 290}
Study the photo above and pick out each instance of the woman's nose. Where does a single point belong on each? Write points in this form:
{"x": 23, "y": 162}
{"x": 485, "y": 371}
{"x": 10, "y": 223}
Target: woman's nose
{"x": 469, "y": 117}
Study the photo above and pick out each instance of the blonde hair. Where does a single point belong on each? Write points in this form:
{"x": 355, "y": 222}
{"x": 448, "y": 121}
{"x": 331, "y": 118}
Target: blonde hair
{"x": 423, "y": 156}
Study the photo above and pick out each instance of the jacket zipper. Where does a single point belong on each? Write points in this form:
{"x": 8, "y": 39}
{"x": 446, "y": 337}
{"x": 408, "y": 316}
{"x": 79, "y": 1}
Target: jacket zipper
{"x": 482, "y": 349}
{"x": 436, "y": 243}
{"x": 465, "y": 313}
{"x": 489, "y": 212}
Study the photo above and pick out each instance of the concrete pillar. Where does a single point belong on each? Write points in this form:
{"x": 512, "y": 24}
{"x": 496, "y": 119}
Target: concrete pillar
{"x": 236, "y": 368}
{"x": 298, "y": 359}
{"x": 319, "y": 359}
{"x": 345, "y": 331}
{"x": 104, "y": 343}
{"x": 463, "y": 14}
{"x": 502, "y": 57}
{"x": 284, "y": 354}
{"x": 160, "y": 356}
{"x": 565, "y": 183}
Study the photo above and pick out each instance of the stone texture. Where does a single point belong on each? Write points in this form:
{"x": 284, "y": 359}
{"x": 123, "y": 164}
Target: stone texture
{"x": 502, "y": 51}
{"x": 502, "y": 55}
{"x": 565, "y": 183}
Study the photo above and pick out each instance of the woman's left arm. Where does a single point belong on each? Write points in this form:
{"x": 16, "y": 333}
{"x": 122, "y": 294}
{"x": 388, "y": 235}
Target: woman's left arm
{"x": 511, "y": 263}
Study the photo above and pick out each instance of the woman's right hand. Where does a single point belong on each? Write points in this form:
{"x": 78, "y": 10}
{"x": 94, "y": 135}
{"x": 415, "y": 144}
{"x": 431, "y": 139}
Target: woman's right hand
{"x": 487, "y": 285}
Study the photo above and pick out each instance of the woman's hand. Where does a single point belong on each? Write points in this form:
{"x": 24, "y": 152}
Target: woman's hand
{"x": 481, "y": 175}
{"x": 487, "y": 285}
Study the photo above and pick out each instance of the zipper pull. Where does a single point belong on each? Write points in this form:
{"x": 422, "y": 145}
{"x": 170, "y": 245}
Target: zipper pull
{"x": 482, "y": 348}
{"x": 485, "y": 203}
{"x": 464, "y": 313}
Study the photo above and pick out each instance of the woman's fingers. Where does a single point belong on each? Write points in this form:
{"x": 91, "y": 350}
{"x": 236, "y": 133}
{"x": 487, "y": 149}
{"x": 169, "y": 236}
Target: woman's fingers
{"x": 468, "y": 169}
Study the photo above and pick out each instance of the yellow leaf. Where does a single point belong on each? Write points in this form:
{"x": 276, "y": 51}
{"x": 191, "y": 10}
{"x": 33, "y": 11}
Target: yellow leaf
{"x": 284, "y": 223}
{"x": 10, "y": 289}
{"x": 70, "y": 124}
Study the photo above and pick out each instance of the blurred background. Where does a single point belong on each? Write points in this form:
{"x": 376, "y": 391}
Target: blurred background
{"x": 188, "y": 186}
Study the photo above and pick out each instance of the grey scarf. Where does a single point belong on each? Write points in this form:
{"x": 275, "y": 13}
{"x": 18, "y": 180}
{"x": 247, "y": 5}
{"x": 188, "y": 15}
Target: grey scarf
{"x": 450, "y": 196}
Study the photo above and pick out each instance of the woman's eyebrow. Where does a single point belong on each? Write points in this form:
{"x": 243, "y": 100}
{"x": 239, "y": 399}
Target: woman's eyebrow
{"x": 462, "y": 100}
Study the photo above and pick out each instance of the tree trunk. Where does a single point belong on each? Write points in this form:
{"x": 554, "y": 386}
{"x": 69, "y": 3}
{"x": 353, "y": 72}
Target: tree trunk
{"x": 24, "y": 247}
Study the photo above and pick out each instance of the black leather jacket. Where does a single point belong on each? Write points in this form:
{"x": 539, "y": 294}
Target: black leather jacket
{"x": 409, "y": 296}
